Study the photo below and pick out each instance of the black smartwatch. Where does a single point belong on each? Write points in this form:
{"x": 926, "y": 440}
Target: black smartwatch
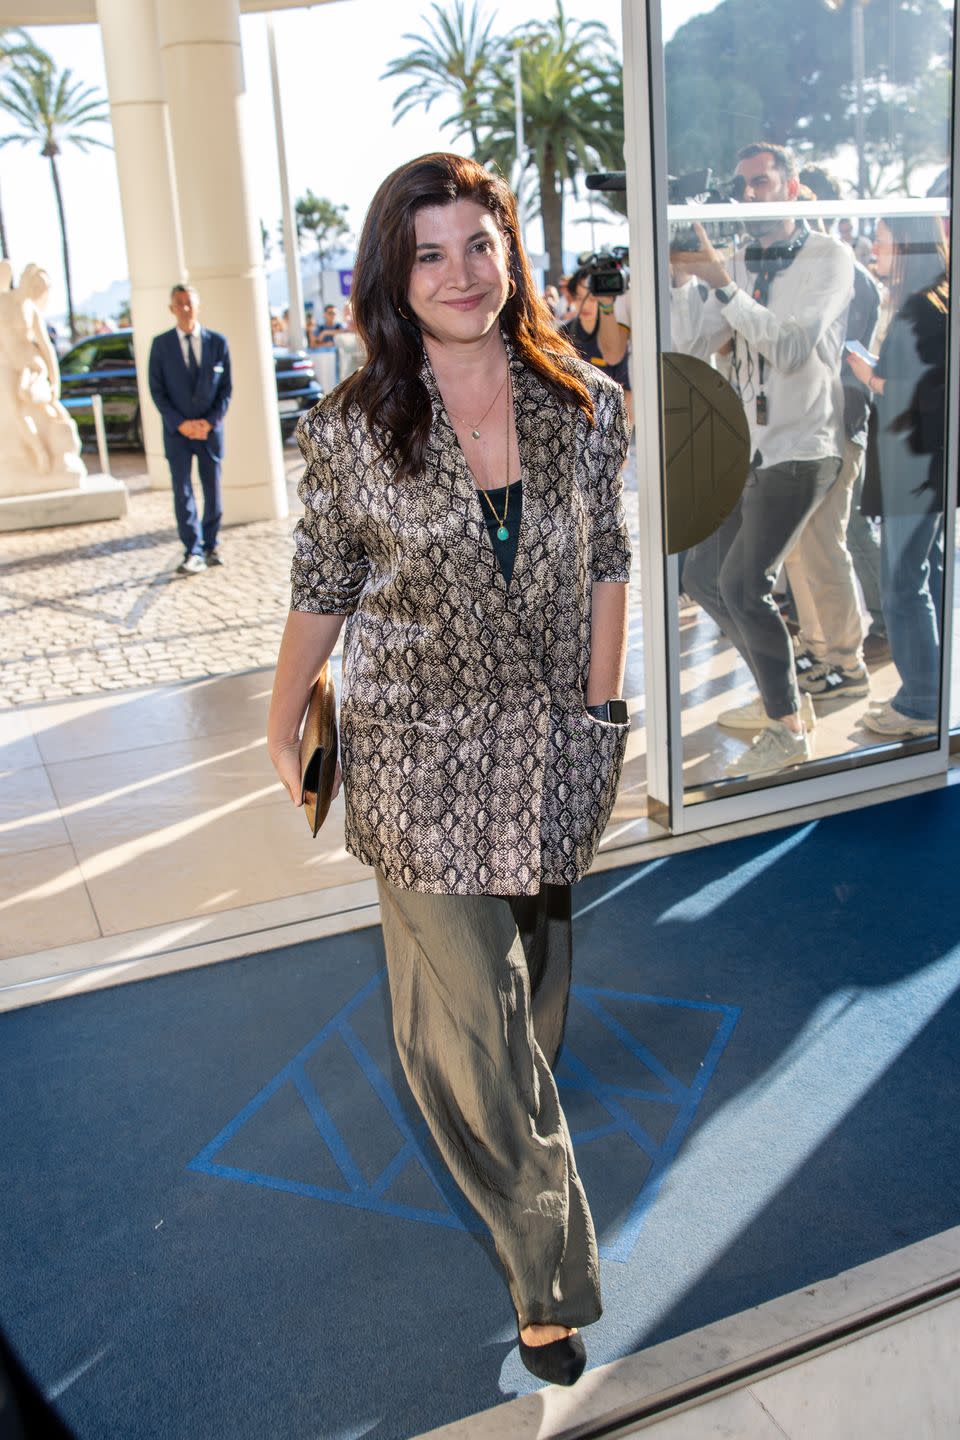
{"x": 613, "y": 711}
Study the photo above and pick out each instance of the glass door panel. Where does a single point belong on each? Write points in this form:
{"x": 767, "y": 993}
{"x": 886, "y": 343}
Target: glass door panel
{"x": 803, "y": 230}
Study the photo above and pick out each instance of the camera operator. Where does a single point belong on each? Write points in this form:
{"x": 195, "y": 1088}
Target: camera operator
{"x": 781, "y": 304}
{"x": 597, "y": 334}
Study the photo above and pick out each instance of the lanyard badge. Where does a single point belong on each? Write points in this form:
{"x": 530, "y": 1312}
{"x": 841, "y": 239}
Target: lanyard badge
{"x": 762, "y": 409}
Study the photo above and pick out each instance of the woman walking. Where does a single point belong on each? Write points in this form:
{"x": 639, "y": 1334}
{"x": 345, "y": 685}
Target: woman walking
{"x": 905, "y": 470}
{"x": 463, "y": 508}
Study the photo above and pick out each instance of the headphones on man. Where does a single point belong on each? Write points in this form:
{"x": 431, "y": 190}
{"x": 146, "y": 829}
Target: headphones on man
{"x": 768, "y": 263}
{"x": 776, "y": 257}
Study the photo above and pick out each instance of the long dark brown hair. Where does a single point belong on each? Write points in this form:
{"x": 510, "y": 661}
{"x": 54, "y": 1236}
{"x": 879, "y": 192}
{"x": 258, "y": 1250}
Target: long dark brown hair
{"x": 920, "y": 258}
{"x": 388, "y": 390}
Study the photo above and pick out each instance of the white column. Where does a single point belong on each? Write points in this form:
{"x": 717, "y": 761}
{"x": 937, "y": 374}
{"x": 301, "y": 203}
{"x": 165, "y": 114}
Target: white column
{"x": 296, "y": 338}
{"x": 141, "y": 135}
{"x": 203, "y": 67}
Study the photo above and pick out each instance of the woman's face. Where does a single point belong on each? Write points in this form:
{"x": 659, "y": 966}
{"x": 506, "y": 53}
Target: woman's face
{"x": 459, "y": 281}
{"x": 883, "y": 251}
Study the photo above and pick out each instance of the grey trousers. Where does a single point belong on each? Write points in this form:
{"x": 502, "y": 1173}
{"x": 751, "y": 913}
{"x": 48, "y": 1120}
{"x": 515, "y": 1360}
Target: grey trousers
{"x": 732, "y": 573}
{"x": 479, "y": 987}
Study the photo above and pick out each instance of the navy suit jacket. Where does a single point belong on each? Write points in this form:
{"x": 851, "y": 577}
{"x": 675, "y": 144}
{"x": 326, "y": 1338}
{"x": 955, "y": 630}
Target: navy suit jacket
{"x": 177, "y": 400}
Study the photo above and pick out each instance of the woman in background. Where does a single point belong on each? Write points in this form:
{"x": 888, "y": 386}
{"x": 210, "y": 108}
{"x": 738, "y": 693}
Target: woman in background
{"x": 908, "y": 439}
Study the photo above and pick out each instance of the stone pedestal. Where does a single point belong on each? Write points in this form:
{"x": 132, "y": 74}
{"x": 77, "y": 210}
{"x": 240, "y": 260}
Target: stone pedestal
{"x": 96, "y": 497}
{"x": 43, "y": 480}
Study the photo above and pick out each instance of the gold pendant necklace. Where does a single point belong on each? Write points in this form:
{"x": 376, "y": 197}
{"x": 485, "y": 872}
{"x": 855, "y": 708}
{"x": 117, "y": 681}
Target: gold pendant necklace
{"x": 475, "y": 429}
{"x": 502, "y": 532}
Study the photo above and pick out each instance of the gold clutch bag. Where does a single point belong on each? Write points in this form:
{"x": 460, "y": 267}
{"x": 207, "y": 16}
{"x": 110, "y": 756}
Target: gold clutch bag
{"x": 318, "y": 750}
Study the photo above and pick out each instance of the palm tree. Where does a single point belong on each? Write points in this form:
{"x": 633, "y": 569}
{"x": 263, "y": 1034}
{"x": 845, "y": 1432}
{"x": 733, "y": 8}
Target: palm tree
{"x": 15, "y": 47}
{"x": 52, "y": 111}
{"x": 324, "y": 220}
{"x": 572, "y": 92}
{"x": 456, "y": 57}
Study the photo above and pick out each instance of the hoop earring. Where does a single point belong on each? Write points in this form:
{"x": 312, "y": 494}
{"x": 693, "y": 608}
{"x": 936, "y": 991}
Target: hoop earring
{"x": 401, "y": 311}
{"x": 511, "y": 288}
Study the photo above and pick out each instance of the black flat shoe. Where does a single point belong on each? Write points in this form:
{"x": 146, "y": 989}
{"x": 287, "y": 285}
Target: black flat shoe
{"x": 561, "y": 1362}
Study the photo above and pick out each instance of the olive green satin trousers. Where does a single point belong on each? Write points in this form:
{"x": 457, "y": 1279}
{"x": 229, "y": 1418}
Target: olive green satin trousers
{"x": 479, "y": 987}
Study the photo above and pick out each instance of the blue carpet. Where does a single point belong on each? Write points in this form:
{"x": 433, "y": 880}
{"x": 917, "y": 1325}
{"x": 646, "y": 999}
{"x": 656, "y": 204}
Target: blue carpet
{"x": 222, "y": 1215}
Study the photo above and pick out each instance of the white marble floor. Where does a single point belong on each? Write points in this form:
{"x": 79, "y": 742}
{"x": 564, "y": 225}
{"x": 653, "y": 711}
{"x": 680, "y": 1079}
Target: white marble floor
{"x": 146, "y": 832}
{"x": 901, "y": 1382}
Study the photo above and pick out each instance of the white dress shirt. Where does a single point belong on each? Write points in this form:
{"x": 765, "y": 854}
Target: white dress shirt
{"x": 799, "y": 333}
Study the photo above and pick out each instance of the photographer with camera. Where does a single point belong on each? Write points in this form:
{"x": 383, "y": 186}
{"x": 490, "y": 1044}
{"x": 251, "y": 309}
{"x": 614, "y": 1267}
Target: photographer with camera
{"x": 594, "y": 329}
{"x": 780, "y": 304}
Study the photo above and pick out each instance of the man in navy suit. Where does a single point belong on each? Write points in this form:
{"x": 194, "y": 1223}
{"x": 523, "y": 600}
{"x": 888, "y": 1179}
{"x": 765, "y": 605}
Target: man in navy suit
{"x": 191, "y": 387}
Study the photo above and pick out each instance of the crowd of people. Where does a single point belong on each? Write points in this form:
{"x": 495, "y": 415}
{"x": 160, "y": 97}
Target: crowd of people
{"x": 320, "y": 328}
{"x": 834, "y": 338}
{"x": 840, "y": 368}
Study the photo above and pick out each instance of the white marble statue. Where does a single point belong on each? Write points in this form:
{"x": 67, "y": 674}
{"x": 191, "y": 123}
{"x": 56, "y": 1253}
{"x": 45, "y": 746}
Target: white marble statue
{"x": 39, "y": 443}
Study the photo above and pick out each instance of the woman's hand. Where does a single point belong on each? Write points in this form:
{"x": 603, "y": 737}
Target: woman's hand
{"x": 286, "y": 762}
{"x": 860, "y": 368}
{"x": 307, "y": 643}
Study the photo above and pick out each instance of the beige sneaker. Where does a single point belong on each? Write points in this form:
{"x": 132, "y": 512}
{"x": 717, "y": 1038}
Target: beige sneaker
{"x": 887, "y": 721}
{"x": 753, "y": 716}
{"x": 775, "y": 748}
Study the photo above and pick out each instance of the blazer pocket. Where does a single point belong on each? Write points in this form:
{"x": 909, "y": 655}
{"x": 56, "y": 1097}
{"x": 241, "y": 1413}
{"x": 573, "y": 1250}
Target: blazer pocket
{"x": 218, "y": 369}
{"x": 582, "y": 776}
{"x": 445, "y": 803}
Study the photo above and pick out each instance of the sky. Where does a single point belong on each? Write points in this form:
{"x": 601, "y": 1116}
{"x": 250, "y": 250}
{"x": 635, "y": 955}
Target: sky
{"x": 337, "y": 116}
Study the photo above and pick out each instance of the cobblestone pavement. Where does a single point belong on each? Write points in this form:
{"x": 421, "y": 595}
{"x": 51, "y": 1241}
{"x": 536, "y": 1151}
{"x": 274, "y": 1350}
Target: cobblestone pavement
{"x": 90, "y": 608}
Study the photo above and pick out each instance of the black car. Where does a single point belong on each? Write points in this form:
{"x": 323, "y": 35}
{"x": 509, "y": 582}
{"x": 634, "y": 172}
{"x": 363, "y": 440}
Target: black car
{"x": 104, "y": 365}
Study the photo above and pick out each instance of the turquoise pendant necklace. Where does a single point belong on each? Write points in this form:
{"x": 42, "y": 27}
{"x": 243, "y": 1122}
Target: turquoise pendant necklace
{"x": 502, "y": 532}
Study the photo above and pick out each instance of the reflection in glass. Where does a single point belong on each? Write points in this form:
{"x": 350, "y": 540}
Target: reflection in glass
{"x": 908, "y": 382}
{"x": 810, "y": 621}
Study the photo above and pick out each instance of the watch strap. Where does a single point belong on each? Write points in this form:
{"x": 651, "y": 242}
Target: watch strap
{"x": 614, "y": 712}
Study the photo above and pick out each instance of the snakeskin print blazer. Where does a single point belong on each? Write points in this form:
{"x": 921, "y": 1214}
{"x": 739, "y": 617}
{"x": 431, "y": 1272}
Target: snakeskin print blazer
{"x": 470, "y": 764}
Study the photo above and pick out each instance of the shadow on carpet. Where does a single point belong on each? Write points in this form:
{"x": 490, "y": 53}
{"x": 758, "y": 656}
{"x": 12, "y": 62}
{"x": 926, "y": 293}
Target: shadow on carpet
{"x": 224, "y": 1217}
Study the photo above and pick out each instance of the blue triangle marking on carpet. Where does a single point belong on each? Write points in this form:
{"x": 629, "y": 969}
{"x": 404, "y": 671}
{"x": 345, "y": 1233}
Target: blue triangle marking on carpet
{"x": 573, "y": 1073}
{"x": 685, "y": 1097}
{"x": 455, "y": 1214}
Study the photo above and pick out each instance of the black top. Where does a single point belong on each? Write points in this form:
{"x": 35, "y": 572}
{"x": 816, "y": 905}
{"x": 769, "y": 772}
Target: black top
{"x": 587, "y": 345}
{"x": 505, "y": 550}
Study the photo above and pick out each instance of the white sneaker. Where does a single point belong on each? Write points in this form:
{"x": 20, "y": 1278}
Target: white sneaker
{"x": 775, "y": 748}
{"x": 191, "y": 565}
{"x": 888, "y": 721}
{"x": 752, "y": 716}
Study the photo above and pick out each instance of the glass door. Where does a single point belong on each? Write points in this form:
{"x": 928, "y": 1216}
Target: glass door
{"x": 795, "y": 380}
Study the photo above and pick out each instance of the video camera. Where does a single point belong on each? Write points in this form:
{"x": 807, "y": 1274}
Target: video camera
{"x": 698, "y": 188}
{"x": 608, "y": 269}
